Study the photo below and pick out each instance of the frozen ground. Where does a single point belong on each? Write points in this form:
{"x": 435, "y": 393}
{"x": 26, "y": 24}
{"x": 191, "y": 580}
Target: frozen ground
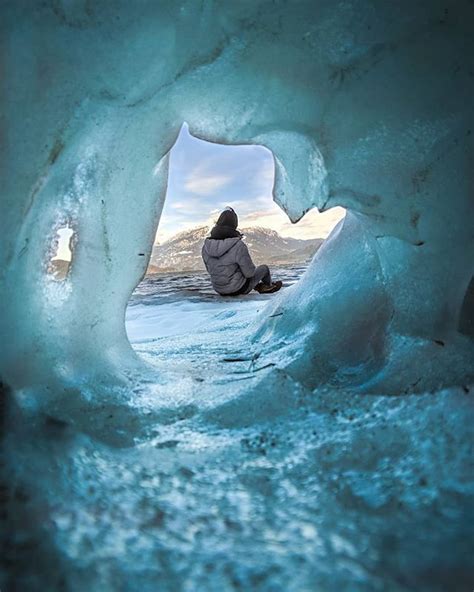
{"x": 210, "y": 485}
{"x": 171, "y": 304}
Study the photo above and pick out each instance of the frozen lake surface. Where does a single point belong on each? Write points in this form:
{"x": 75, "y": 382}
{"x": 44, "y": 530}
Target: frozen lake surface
{"x": 187, "y": 301}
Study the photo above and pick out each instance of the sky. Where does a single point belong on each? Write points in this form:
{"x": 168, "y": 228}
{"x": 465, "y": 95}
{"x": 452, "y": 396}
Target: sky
{"x": 204, "y": 178}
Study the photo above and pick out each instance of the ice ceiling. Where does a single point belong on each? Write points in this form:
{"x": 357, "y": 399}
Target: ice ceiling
{"x": 364, "y": 105}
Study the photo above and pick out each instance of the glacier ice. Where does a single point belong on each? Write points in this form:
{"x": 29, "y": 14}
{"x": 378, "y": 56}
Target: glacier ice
{"x": 364, "y": 105}
{"x": 364, "y": 108}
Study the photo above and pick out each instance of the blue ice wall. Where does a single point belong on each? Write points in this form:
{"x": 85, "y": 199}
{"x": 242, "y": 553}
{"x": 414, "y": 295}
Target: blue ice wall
{"x": 364, "y": 105}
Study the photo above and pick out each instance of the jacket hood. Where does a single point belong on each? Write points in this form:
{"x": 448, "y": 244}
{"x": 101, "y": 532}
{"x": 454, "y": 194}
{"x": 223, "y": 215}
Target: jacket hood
{"x": 217, "y": 248}
{"x": 228, "y": 218}
{"x": 221, "y": 232}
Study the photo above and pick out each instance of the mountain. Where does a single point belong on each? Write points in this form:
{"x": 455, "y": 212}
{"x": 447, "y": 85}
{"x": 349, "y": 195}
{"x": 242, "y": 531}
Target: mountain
{"x": 59, "y": 268}
{"x": 182, "y": 252}
{"x": 300, "y": 255}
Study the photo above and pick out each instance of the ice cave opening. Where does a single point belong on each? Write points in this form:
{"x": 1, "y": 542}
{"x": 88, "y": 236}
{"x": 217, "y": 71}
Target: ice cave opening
{"x": 204, "y": 178}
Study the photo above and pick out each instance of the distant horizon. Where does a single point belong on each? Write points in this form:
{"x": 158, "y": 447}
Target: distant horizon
{"x": 205, "y": 177}
{"x": 242, "y": 228}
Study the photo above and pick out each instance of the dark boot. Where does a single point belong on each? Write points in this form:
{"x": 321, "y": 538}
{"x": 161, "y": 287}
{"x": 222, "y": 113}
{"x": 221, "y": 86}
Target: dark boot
{"x": 264, "y": 289}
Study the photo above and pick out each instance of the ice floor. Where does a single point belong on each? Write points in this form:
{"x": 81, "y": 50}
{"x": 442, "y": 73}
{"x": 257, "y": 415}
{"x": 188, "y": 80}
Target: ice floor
{"x": 227, "y": 475}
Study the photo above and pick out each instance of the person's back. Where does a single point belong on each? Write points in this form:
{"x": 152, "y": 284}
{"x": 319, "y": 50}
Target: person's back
{"x": 228, "y": 260}
{"x": 228, "y": 263}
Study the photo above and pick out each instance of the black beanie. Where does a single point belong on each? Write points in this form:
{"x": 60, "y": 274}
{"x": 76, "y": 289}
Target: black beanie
{"x": 228, "y": 218}
{"x": 226, "y": 225}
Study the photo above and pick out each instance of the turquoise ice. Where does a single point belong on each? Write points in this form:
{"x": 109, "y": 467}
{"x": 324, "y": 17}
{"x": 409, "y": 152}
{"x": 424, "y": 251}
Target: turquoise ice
{"x": 334, "y": 451}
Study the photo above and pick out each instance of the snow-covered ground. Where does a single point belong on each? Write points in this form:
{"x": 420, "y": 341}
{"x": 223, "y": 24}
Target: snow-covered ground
{"x": 285, "y": 489}
{"x": 172, "y": 304}
{"x": 225, "y": 474}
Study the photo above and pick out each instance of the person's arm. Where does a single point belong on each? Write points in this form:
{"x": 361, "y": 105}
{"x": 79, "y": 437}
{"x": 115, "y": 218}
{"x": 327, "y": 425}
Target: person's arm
{"x": 204, "y": 258}
{"x": 245, "y": 261}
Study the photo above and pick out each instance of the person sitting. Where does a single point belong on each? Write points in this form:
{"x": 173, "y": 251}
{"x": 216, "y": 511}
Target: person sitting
{"x": 228, "y": 262}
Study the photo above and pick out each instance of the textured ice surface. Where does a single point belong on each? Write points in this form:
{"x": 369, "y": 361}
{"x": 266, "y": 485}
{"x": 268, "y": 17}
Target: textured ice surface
{"x": 364, "y": 105}
{"x": 231, "y": 476}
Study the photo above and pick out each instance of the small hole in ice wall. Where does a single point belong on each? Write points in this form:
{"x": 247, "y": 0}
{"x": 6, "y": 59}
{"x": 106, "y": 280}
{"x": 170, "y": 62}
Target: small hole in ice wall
{"x": 62, "y": 250}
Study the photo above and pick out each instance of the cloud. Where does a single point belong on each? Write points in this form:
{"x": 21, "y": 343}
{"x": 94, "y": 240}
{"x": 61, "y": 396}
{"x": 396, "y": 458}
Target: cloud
{"x": 206, "y": 177}
{"x": 313, "y": 225}
{"x": 268, "y": 172}
{"x": 204, "y": 184}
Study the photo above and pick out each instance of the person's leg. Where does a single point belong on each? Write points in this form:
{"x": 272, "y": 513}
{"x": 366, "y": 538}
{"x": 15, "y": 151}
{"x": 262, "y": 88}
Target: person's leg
{"x": 262, "y": 274}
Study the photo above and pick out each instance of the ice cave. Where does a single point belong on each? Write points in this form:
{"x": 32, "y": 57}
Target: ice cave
{"x": 320, "y": 440}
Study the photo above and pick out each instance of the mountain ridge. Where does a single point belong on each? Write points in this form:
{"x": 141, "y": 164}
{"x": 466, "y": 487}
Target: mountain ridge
{"x": 182, "y": 252}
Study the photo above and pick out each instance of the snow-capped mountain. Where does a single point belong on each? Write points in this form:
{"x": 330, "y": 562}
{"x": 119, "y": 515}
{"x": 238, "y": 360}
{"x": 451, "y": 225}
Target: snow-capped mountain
{"x": 182, "y": 252}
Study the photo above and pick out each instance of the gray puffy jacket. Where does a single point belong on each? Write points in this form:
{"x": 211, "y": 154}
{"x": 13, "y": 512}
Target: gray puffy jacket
{"x": 228, "y": 262}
